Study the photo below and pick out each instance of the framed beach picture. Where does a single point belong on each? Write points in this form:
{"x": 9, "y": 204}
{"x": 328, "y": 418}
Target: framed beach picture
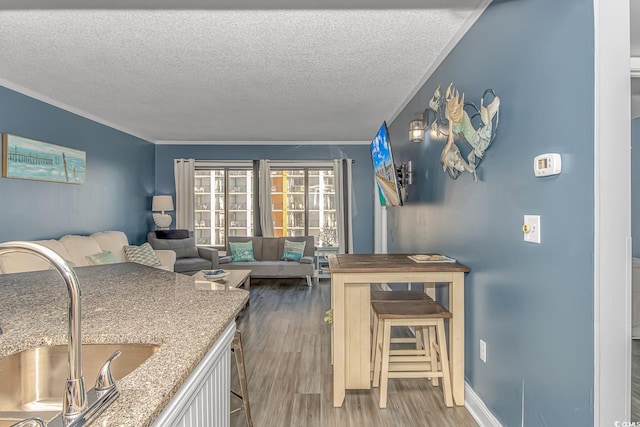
{"x": 26, "y": 158}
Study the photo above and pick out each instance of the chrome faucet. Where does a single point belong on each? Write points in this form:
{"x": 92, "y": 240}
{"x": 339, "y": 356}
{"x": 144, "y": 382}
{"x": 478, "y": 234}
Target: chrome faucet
{"x": 74, "y": 400}
{"x": 75, "y": 410}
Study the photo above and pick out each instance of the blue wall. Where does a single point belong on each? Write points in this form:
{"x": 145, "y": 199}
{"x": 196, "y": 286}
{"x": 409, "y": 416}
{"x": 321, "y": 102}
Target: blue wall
{"x": 122, "y": 175}
{"x": 532, "y": 304}
{"x": 119, "y": 181}
{"x": 635, "y": 186}
{"x": 362, "y": 172}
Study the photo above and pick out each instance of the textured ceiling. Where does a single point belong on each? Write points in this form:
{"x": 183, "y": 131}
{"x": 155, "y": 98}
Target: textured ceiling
{"x": 215, "y": 74}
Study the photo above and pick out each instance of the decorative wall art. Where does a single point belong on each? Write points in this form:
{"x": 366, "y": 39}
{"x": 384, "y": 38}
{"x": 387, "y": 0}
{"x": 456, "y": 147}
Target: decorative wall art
{"x": 30, "y": 159}
{"x": 457, "y": 119}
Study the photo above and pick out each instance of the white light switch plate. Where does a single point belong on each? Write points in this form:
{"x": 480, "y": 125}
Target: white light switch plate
{"x": 533, "y": 221}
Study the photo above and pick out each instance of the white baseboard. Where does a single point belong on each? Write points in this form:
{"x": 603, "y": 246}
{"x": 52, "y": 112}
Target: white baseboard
{"x": 478, "y": 409}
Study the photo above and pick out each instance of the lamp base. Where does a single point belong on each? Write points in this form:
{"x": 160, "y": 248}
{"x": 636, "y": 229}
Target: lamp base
{"x": 163, "y": 221}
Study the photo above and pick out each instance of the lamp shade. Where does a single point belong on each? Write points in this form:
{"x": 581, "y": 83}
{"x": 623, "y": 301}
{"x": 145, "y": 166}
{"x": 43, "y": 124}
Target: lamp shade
{"x": 162, "y": 203}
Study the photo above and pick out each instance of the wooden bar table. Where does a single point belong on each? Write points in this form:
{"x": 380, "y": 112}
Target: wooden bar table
{"x": 351, "y": 279}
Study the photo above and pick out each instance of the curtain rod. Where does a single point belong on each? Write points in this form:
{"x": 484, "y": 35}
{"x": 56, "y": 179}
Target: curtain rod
{"x": 317, "y": 163}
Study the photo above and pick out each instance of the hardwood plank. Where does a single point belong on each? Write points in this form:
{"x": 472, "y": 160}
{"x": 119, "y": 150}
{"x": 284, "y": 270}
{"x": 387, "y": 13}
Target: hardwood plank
{"x": 288, "y": 362}
{"x": 306, "y": 410}
{"x": 635, "y": 380}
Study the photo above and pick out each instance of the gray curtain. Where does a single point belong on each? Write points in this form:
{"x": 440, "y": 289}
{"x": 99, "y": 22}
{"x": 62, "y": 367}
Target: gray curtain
{"x": 344, "y": 208}
{"x": 264, "y": 202}
{"x": 184, "y": 171}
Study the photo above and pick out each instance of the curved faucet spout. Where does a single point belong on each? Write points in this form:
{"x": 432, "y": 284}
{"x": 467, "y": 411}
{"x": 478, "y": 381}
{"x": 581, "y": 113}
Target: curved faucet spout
{"x": 74, "y": 397}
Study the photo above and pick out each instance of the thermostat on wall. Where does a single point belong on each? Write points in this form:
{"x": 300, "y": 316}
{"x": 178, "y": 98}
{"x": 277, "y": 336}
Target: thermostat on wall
{"x": 547, "y": 164}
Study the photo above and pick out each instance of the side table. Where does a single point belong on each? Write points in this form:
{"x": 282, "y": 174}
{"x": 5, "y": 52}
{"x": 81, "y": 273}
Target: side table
{"x": 322, "y": 261}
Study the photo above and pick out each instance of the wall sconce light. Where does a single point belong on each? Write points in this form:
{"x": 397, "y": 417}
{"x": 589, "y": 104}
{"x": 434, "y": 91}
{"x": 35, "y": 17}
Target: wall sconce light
{"x": 162, "y": 204}
{"x": 417, "y": 127}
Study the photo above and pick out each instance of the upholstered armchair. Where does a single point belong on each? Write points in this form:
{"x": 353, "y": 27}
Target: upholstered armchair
{"x": 189, "y": 258}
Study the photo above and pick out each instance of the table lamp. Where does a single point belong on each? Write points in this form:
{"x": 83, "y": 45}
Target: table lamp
{"x": 162, "y": 204}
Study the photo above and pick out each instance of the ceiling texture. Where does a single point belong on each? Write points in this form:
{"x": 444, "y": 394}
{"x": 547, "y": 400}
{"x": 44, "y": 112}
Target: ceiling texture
{"x": 202, "y": 71}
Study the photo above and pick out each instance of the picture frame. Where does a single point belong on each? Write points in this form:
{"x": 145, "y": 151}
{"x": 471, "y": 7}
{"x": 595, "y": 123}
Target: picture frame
{"x": 25, "y": 158}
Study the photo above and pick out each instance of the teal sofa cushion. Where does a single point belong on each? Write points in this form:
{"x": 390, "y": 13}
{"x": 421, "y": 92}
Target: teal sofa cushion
{"x": 293, "y": 250}
{"x": 241, "y": 251}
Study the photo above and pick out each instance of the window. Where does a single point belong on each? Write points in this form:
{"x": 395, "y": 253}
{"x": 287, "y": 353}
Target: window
{"x": 304, "y": 203}
{"x": 322, "y": 207}
{"x": 223, "y": 198}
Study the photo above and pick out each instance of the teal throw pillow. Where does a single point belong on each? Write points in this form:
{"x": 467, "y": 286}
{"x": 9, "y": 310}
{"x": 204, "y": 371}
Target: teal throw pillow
{"x": 104, "y": 257}
{"x": 292, "y": 250}
{"x": 241, "y": 251}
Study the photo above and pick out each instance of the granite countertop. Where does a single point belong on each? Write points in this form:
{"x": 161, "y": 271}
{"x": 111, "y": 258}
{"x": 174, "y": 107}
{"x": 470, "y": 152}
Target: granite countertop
{"x": 122, "y": 303}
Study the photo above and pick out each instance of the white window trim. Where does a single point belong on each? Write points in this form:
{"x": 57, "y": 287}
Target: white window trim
{"x": 216, "y": 164}
{"x": 278, "y": 164}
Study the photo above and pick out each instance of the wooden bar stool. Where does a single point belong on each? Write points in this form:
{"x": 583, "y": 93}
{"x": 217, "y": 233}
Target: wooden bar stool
{"x": 382, "y": 296}
{"x": 236, "y": 348}
{"x": 431, "y": 361}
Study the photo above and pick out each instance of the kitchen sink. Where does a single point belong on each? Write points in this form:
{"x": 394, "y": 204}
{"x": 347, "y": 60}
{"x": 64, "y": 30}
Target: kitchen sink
{"x": 32, "y": 382}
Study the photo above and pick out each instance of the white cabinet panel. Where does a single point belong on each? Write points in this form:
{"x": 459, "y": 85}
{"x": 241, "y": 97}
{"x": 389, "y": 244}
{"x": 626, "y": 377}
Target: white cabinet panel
{"x": 204, "y": 399}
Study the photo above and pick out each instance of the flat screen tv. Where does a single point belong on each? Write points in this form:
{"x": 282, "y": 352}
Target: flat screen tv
{"x": 384, "y": 169}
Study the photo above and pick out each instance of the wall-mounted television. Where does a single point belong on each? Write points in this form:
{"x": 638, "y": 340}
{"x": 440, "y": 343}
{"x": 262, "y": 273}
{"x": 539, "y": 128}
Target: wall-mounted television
{"x": 384, "y": 169}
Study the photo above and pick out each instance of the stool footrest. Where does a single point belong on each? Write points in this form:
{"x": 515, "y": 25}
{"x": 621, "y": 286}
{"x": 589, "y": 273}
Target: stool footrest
{"x": 408, "y": 366}
{"x": 407, "y": 352}
{"x": 403, "y": 340}
{"x": 417, "y": 374}
{"x": 409, "y": 358}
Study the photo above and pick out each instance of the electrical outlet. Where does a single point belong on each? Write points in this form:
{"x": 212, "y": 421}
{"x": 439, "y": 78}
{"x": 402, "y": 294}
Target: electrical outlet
{"x": 483, "y": 351}
{"x": 531, "y": 228}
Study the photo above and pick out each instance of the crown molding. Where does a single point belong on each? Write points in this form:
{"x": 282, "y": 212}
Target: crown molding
{"x": 48, "y": 100}
{"x": 473, "y": 17}
{"x": 325, "y": 143}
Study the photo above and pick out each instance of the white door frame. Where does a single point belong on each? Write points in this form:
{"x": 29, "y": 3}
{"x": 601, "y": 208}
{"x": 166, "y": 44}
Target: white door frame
{"x": 379, "y": 223}
{"x": 612, "y": 227}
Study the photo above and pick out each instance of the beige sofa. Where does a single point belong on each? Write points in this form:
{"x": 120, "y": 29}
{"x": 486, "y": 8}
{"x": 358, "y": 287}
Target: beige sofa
{"x": 76, "y": 248}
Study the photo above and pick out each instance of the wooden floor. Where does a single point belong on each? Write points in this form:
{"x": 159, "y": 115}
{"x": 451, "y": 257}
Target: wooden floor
{"x": 288, "y": 363}
{"x": 635, "y": 380}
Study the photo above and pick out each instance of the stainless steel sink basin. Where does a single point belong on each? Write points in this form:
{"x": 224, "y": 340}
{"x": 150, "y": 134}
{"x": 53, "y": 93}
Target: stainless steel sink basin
{"x": 32, "y": 382}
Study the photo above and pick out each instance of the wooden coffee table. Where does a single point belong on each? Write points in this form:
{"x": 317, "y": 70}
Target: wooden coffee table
{"x": 236, "y": 279}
